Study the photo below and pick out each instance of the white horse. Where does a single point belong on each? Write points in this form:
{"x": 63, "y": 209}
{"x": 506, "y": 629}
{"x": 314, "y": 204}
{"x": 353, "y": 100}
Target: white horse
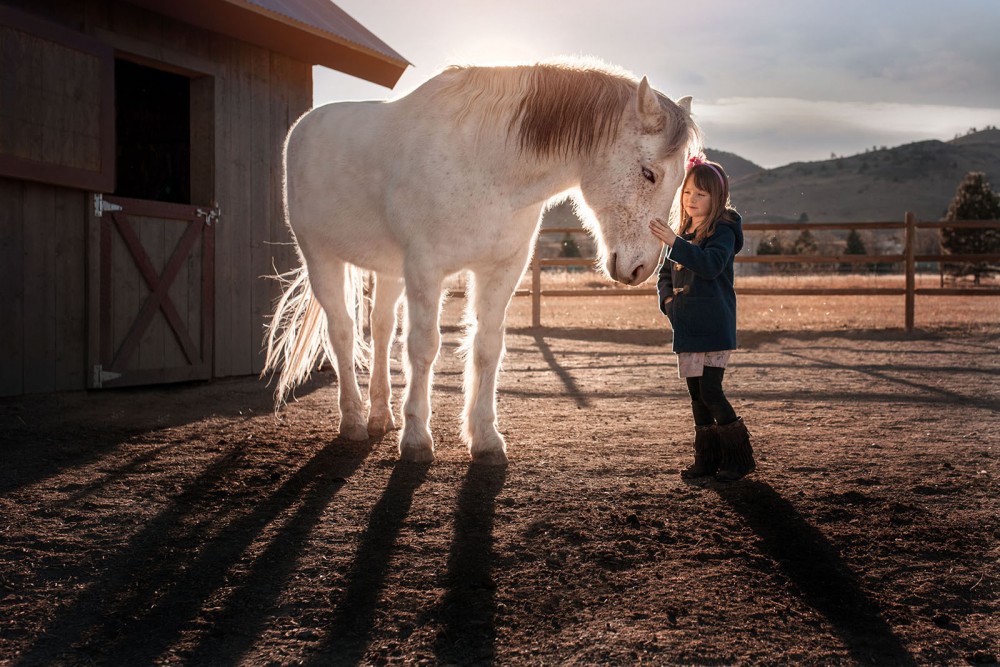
{"x": 454, "y": 177}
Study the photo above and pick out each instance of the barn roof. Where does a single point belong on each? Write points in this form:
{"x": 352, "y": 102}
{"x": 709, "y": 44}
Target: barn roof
{"x": 314, "y": 31}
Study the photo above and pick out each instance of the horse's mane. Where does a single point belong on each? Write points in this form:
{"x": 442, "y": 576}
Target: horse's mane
{"x": 557, "y": 108}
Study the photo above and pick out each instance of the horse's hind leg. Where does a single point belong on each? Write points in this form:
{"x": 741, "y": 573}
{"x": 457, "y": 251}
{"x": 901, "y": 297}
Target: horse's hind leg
{"x": 484, "y": 347}
{"x": 423, "y": 340}
{"x": 331, "y": 287}
{"x": 386, "y": 297}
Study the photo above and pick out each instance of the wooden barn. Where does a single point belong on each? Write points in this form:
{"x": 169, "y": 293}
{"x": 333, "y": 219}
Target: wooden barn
{"x": 140, "y": 180}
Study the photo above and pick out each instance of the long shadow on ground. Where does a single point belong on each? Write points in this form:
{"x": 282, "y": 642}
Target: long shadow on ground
{"x": 350, "y": 631}
{"x": 143, "y": 599}
{"x": 34, "y": 428}
{"x": 468, "y": 610}
{"x": 813, "y": 565}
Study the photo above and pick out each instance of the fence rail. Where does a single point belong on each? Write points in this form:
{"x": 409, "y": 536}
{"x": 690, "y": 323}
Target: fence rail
{"x": 909, "y": 259}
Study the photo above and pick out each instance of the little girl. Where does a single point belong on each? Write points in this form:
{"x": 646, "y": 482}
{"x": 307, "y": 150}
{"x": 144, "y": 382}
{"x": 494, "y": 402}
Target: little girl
{"x": 695, "y": 289}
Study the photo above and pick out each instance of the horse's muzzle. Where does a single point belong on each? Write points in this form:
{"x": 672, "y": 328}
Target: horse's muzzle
{"x": 627, "y": 275}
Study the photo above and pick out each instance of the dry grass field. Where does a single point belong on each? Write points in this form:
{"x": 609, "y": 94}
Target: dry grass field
{"x": 188, "y": 525}
{"x": 775, "y": 313}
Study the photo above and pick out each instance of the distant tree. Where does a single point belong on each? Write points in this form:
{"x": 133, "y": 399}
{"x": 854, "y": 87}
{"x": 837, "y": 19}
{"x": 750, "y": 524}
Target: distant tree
{"x": 805, "y": 244}
{"x": 974, "y": 200}
{"x": 803, "y": 217}
{"x": 569, "y": 248}
{"x": 855, "y": 246}
{"x": 772, "y": 245}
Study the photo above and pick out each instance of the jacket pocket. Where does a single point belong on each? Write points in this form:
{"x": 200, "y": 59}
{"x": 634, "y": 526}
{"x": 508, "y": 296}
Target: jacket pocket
{"x": 700, "y": 315}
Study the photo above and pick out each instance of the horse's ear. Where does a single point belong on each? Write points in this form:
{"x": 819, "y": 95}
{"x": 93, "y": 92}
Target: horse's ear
{"x": 648, "y": 107}
{"x": 685, "y": 103}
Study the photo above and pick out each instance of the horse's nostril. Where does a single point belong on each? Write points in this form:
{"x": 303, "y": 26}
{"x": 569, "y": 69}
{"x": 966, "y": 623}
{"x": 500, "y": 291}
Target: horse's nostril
{"x": 635, "y": 275}
{"x": 613, "y": 265}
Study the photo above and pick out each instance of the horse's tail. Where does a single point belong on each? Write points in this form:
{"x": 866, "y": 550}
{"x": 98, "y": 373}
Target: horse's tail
{"x": 297, "y": 340}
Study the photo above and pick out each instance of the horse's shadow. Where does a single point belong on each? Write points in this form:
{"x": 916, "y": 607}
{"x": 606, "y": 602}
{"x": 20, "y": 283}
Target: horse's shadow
{"x": 353, "y": 620}
{"x": 468, "y": 610}
{"x": 149, "y": 592}
{"x": 466, "y": 613}
{"x": 812, "y": 564}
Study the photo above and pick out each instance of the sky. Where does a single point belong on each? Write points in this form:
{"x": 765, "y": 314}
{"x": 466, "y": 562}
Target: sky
{"x": 774, "y": 81}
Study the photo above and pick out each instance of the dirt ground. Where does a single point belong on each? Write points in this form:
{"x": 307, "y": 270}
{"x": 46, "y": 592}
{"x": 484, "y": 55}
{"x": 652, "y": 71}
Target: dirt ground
{"x": 187, "y": 525}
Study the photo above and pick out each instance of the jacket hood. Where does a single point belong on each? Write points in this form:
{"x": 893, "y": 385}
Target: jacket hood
{"x": 736, "y": 224}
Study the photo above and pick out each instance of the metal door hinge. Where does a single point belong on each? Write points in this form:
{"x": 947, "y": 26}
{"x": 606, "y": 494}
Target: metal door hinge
{"x": 101, "y": 207}
{"x": 101, "y": 376}
{"x": 211, "y": 215}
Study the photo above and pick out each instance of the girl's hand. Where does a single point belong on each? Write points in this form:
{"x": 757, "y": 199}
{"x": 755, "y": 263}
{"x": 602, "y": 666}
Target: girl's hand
{"x": 662, "y": 231}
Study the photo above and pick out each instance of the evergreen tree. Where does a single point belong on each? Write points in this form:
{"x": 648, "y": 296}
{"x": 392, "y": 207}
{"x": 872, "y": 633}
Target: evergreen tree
{"x": 805, "y": 244}
{"x": 772, "y": 245}
{"x": 569, "y": 247}
{"x": 855, "y": 246}
{"x": 974, "y": 200}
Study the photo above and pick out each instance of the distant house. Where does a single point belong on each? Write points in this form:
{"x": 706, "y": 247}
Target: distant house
{"x": 140, "y": 184}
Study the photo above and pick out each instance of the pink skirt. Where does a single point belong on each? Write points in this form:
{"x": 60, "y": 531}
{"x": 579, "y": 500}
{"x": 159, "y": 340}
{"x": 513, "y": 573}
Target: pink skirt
{"x": 692, "y": 364}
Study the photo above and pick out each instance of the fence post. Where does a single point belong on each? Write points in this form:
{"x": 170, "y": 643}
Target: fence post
{"x": 536, "y": 290}
{"x": 911, "y": 268}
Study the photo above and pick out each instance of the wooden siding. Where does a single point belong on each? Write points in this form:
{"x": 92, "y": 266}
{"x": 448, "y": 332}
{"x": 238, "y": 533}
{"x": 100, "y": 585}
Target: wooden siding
{"x": 60, "y": 131}
{"x": 42, "y": 287}
{"x": 46, "y": 273}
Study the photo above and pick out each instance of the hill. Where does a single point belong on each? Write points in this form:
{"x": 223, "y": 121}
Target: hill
{"x": 876, "y": 185}
{"x": 736, "y": 167}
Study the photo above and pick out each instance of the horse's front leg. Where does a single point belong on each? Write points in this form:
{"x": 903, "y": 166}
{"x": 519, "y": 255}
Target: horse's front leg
{"x": 423, "y": 340}
{"x": 383, "y": 322}
{"x": 492, "y": 290}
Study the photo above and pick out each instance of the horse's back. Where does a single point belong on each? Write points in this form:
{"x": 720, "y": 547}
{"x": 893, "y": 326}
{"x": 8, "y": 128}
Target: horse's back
{"x": 375, "y": 182}
{"x": 333, "y": 137}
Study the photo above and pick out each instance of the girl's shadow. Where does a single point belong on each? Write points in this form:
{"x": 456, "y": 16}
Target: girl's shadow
{"x": 814, "y": 566}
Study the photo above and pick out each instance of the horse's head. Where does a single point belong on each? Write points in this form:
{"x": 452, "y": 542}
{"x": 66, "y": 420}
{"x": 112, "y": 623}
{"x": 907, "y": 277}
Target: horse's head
{"x": 634, "y": 178}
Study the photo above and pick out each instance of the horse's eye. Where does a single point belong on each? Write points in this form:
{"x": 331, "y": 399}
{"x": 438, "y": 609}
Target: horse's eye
{"x": 650, "y": 176}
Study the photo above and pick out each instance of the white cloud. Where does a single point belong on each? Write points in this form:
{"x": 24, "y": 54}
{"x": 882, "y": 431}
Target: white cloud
{"x": 776, "y": 131}
{"x": 896, "y": 71}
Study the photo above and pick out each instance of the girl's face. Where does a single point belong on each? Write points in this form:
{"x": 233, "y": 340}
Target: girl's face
{"x": 697, "y": 202}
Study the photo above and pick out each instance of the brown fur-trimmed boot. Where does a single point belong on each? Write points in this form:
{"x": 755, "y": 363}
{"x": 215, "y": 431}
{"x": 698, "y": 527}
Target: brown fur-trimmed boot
{"x": 707, "y": 455}
{"x": 737, "y": 454}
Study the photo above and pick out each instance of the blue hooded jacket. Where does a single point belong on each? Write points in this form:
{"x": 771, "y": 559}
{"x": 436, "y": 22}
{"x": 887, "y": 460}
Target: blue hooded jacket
{"x": 699, "y": 278}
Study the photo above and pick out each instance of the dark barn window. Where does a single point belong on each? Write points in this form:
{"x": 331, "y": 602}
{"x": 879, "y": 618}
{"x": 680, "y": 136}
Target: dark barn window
{"x": 153, "y": 133}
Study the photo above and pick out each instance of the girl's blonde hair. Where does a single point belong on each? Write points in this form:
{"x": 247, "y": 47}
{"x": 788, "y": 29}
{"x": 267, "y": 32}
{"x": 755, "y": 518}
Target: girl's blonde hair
{"x": 711, "y": 178}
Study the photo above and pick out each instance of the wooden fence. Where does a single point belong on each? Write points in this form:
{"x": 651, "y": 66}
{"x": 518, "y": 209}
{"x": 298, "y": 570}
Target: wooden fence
{"x": 908, "y": 258}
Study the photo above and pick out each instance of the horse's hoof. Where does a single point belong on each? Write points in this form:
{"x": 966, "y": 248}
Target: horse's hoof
{"x": 354, "y": 431}
{"x": 489, "y": 449}
{"x": 379, "y": 426}
{"x": 491, "y": 457}
{"x": 416, "y": 448}
{"x": 416, "y": 454}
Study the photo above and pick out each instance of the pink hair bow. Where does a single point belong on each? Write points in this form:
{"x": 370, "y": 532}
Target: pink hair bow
{"x": 698, "y": 160}
{"x": 694, "y": 161}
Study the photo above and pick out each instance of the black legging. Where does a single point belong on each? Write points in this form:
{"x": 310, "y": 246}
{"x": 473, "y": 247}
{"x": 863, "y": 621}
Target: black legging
{"x": 708, "y": 401}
